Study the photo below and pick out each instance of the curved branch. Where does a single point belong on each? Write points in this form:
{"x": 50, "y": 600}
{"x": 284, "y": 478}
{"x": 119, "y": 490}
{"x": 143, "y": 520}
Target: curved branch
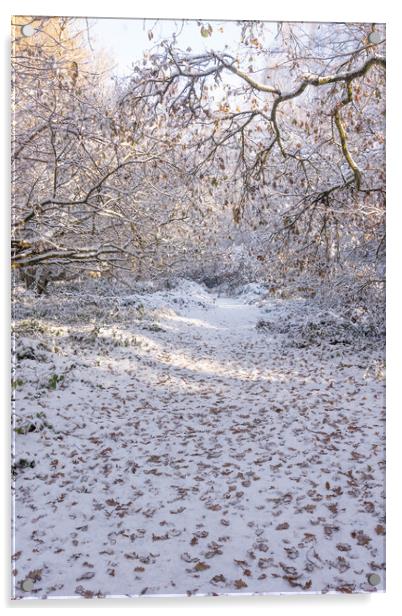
{"x": 343, "y": 136}
{"x": 316, "y": 81}
{"x": 87, "y": 255}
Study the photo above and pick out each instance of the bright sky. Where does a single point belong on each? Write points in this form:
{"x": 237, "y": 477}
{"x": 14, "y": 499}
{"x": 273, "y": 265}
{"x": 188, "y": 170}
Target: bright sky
{"x": 127, "y": 39}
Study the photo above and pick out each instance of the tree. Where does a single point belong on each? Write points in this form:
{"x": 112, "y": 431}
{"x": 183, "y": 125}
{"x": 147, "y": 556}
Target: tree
{"x": 276, "y": 149}
{"x": 304, "y": 145}
{"x": 86, "y": 174}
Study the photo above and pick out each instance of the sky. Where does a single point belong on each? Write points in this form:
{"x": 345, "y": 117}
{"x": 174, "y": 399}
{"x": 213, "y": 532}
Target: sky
{"x": 127, "y": 39}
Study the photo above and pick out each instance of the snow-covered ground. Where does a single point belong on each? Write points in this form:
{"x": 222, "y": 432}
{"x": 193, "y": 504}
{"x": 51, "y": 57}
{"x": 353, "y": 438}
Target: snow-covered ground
{"x": 176, "y": 448}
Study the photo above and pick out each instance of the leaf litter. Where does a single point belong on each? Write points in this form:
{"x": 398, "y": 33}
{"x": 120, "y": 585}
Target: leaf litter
{"x": 206, "y": 455}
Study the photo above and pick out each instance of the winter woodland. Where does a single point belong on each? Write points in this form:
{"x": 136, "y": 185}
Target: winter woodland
{"x": 198, "y": 258}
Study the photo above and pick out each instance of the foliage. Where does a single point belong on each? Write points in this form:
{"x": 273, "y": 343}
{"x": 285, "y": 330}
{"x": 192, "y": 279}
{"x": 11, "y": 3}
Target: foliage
{"x": 263, "y": 164}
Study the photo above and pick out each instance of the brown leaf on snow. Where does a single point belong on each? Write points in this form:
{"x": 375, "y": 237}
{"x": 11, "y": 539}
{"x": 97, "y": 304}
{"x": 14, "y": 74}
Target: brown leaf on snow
{"x": 292, "y": 579}
{"x": 35, "y": 574}
{"x": 95, "y": 440}
{"x": 310, "y": 508}
{"x": 179, "y": 510}
{"x": 111, "y": 502}
{"x": 106, "y": 452}
{"x": 201, "y": 566}
{"x": 333, "y": 508}
{"x": 379, "y": 529}
{"x": 218, "y": 578}
{"x": 160, "y": 537}
{"x": 87, "y": 594}
{"x": 360, "y": 537}
{"x": 341, "y": 564}
{"x": 154, "y": 459}
{"x": 187, "y": 558}
{"x": 264, "y": 563}
{"x": 86, "y": 576}
{"x": 345, "y": 588}
{"x": 282, "y": 526}
{"x": 240, "y": 583}
{"x": 289, "y": 570}
{"x": 214, "y": 507}
{"x": 329, "y": 530}
{"x": 292, "y": 553}
{"x": 343, "y": 547}
{"x": 369, "y": 506}
{"x": 262, "y": 547}
{"x": 242, "y": 563}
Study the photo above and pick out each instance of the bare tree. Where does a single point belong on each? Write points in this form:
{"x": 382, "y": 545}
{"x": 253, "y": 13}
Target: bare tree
{"x": 277, "y": 147}
{"x": 303, "y": 145}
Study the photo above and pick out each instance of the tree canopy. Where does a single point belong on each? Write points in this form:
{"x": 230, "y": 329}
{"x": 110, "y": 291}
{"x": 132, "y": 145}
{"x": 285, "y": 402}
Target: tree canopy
{"x": 267, "y": 157}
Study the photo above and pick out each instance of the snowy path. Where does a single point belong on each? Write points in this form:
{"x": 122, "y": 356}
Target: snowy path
{"x": 200, "y": 458}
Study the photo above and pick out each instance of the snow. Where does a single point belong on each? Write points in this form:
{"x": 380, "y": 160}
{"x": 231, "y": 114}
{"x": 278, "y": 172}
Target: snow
{"x": 179, "y": 449}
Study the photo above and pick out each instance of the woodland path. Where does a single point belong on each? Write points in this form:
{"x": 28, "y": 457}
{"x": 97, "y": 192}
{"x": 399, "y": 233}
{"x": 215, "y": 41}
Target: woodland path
{"x": 208, "y": 457}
